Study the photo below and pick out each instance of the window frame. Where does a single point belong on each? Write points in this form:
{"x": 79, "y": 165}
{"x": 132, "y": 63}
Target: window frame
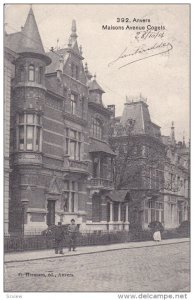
{"x": 31, "y": 72}
{"x": 36, "y": 129}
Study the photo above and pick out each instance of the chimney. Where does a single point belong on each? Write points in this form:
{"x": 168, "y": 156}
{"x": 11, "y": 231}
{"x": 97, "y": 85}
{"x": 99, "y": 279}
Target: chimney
{"x": 112, "y": 109}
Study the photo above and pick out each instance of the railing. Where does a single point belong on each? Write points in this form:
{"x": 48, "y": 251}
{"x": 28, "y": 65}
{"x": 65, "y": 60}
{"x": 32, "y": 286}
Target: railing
{"x": 77, "y": 164}
{"x": 101, "y": 182}
{"x": 38, "y": 242}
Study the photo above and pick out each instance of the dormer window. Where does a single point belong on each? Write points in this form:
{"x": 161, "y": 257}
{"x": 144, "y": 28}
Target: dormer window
{"x": 31, "y": 73}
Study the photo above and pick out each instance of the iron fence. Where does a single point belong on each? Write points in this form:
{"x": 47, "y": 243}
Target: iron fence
{"x": 40, "y": 242}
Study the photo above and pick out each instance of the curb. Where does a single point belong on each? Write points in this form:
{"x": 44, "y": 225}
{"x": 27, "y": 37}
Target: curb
{"x": 97, "y": 251}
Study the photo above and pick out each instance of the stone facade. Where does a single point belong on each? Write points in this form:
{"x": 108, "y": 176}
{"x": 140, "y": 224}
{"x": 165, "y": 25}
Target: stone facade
{"x": 176, "y": 182}
{"x": 57, "y": 116}
{"x": 8, "y": 75}
{"x": 154, "y": 168}
{"x": 70, "y": 156}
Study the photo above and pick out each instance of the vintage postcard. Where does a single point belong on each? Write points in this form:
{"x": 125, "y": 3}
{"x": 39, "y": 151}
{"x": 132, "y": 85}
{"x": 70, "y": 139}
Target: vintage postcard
{"x": 97, "y": 148}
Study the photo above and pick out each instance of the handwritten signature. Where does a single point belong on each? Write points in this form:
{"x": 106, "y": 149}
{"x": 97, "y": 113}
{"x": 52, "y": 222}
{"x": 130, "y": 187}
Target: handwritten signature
{"x": 140, "y": 53}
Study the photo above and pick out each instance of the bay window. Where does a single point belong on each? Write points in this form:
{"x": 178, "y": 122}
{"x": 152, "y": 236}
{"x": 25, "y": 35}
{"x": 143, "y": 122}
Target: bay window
{"x": 29, "y": 132}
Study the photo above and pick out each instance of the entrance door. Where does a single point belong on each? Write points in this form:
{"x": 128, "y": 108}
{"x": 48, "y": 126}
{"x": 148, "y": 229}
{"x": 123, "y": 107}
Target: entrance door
{"x": 51, "y": 212}
{"x": 96, "y": 208}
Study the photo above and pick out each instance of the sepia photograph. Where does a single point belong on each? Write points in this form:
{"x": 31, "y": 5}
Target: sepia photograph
{"x": 96, "y": 148}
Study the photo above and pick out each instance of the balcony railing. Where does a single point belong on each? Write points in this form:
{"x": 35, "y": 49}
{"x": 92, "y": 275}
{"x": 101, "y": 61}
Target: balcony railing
{"x": 78, "y": 165}
{"x": 101, "y": 182}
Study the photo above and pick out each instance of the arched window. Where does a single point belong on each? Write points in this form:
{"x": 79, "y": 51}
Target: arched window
{"x": 31, "y": 73}
{"x": 97, "y": 128}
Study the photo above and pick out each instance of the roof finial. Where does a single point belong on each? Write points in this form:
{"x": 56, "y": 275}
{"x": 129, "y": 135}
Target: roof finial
{"x": 73, "y": 29}
{"x": 31, "y": 10}
{"x": 172, "y": 133}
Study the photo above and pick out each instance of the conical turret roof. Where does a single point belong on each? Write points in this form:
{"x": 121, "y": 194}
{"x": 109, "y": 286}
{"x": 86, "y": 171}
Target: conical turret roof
{"x": 30, "y": 41}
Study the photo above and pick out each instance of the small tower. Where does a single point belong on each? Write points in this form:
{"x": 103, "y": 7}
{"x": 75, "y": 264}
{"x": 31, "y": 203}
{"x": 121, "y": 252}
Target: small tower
{"x": 29, "y": 92}
{"x": 95, "y": 91}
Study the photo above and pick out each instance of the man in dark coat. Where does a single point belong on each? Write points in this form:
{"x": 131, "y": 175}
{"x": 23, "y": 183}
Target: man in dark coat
{"x": 59, "y": 237}
{"x": 72, "y": 231}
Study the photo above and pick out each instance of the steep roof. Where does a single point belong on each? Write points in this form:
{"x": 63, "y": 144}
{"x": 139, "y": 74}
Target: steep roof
{"x": 55, "y": 57}
{"x": 30, "y": 38}
{"x": 94, "y": 86}
{"x": 138, "y": 111}
{"x": 27, "y": 40}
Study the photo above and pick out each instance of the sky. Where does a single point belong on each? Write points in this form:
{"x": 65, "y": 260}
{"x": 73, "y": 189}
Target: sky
{"x": 162, "y": 78}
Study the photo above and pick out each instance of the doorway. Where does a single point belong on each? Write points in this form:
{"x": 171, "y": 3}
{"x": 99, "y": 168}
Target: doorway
{"x": 51, "y": 212}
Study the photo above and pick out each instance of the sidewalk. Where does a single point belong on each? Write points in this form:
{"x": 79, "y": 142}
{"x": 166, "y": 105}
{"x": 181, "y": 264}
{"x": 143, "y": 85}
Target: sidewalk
{"x": 45, "y": 254}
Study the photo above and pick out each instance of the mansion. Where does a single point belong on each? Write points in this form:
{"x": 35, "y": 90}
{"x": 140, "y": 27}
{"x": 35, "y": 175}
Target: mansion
{"x": 64, "y": 149}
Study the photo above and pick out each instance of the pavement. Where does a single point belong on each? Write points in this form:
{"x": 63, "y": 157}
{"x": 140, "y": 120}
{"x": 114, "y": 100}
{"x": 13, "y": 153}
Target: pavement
{"x": 47, "y": 254}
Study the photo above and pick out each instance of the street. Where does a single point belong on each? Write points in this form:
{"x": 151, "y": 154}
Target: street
{"x": 164, "y": 268}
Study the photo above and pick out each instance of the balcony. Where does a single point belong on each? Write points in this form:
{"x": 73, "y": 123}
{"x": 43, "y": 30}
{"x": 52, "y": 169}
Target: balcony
{"x": 78, "y": 166}
{"x": 101, "y": 183}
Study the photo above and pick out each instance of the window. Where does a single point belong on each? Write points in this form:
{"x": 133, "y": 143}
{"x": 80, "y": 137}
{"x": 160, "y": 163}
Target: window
{"x": 21, "y": 74}
{"x": 73, "y": 149}
{"x": 31, "y": 73}
{"x": 73, "y": 144}
{"x": 97, "y": 128}
{"x": 73, "y": 104}
{"x": 69, "y": 197}
{"x": 21, "y": 137}
{"x": 29, "y": 137}
{"x": 29, "y": 132}
{"x": 40, "y": 75}
{"x": 155, "y": 211}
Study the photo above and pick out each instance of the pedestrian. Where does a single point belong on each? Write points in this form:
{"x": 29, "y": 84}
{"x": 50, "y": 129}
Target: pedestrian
{"x": 59, "y": 238}
{"x": 157, "y": 236}
{"x": 72, "y": 231}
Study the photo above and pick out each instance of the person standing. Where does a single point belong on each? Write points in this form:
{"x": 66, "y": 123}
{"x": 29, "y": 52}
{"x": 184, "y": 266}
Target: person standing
{"x": 59, "y": 237}
{"x": 72, "y": 231}
{"x": 157, "y": 236}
